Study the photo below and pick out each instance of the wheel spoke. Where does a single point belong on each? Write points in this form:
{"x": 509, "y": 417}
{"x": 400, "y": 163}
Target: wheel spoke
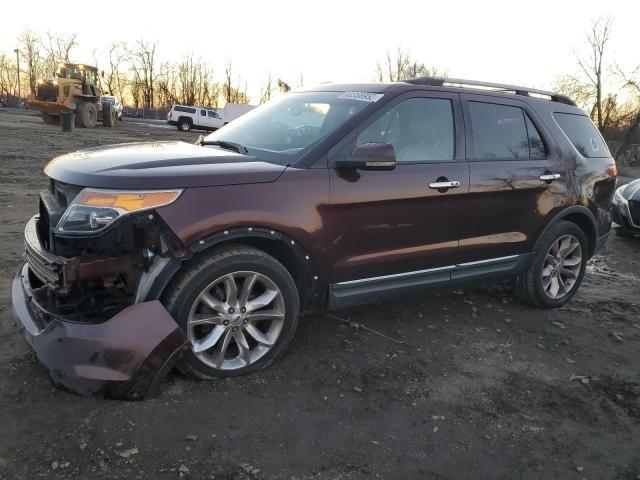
{"x": 265, "y": 315}
{"x": 262, "y": 301}
{"x": 569, "y": 249}
{"x": 222, "y": 349}
{"x": 563, "y": 287}
{"x": 212, "y": 302}
{"x": 243, "y": 347}
{"x": 554, "y": 287}
{"x": 572, "y": 261}
{"x": 569, "y": 273}
{"x": 205, "y": 319}
{"x": 258, "y": 335}
{"x": 209, "y": 341}
{"x": 247, "y": 286}
{"x": 230, "y": 289}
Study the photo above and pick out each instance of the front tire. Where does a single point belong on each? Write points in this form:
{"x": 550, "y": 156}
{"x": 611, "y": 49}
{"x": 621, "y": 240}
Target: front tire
{"x": 554, "y": 272}
{"x": 239, "y": 309}
{"x": 87, "y": 115}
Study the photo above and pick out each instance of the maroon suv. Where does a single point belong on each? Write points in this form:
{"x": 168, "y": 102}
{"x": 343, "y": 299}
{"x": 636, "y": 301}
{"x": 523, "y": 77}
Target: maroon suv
{"x": 149, "y": 255}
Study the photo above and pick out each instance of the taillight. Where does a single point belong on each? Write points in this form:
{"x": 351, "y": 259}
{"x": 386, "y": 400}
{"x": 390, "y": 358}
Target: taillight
{"x": 612, "y": 168}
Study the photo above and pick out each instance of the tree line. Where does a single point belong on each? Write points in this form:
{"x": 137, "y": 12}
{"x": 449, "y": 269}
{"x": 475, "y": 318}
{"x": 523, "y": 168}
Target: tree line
{"x": 131, "y": 71}
{"x": 610, "y": 94}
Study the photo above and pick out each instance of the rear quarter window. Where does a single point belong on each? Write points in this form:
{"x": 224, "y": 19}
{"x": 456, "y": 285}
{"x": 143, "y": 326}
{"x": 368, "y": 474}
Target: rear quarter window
{"x": 583, "y": 134}
{"x": 184, "y": 109}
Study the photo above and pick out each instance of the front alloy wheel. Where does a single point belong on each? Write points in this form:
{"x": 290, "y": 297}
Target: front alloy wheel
{"x": 236, "y": 320}
{"x": 238, "y": 307}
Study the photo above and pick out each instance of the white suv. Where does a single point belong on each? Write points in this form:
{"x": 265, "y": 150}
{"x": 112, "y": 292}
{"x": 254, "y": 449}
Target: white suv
{"x": 187, "y": 118}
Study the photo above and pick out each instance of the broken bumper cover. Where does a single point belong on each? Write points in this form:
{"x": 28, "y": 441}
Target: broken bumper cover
{"x": 125, "y": 357}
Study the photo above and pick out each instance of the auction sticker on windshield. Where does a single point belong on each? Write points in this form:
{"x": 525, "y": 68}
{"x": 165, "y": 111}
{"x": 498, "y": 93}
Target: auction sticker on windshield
{"x": 362, "y": 96}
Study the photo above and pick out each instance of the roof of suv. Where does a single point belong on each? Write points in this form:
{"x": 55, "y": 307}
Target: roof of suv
{"x": 451, "y": 84}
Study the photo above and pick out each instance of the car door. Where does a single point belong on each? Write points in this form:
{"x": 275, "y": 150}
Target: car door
{"x": 398, "y": 228}
{"x": 517, "y": 179}
{"x": 213, "y": 119}
{"x": 202, "y": 117}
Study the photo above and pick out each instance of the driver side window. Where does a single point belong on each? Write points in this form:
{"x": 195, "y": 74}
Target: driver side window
{"x": 420, "y": 129}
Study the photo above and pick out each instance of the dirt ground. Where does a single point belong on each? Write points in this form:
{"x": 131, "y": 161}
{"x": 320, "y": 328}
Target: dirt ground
{"x": 454, "y": 385}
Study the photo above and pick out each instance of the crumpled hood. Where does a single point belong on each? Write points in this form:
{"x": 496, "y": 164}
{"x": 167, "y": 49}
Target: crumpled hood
{"x": 159, "y": 165}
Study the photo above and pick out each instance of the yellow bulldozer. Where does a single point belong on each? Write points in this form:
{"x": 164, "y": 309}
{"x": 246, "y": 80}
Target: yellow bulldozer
{"x": 73, "y": 89}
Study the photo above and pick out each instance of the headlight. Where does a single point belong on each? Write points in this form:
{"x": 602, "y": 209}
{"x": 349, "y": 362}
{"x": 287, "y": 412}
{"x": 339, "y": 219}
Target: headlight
{"x": 94, "y": 210}
{"x": 617, "y": 196}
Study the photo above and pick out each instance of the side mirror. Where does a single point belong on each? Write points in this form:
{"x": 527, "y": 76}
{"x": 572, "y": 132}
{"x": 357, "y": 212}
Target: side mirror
{"x": 370, "y": 156}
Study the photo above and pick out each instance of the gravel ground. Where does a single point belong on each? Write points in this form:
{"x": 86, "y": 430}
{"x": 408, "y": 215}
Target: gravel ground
{"x": 464, "y": 384}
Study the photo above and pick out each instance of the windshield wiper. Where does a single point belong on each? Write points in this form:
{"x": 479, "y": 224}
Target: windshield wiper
{"x": 223, "y": 144}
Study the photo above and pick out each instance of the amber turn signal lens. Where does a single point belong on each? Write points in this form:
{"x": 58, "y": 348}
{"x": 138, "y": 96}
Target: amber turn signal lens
{"x": 612, "y": 168}
{"x": 127, "y": 201}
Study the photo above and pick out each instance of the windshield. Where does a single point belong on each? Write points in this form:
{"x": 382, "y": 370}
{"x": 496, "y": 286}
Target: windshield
{"x": 283, "y": 129}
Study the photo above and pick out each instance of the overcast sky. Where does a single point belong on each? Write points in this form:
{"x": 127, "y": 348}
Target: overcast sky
{"x": 526, "y": 43}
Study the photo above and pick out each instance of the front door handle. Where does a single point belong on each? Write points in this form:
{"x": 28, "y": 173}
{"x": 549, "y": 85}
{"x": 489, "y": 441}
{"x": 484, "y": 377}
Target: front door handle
{"x": 549, "y": 177}
{"x": 444, "y": 185}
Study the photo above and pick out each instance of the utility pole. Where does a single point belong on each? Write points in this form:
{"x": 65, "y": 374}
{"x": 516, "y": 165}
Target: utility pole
{"x": 18, "y": 62}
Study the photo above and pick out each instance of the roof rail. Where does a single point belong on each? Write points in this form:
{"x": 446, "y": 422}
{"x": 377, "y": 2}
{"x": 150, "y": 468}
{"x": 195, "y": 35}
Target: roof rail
{"x": 501, "y": 87}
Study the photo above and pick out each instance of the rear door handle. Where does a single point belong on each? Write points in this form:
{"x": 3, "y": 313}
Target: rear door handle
{"x": 444, "y": 185}
{"x": 549, "y": 177}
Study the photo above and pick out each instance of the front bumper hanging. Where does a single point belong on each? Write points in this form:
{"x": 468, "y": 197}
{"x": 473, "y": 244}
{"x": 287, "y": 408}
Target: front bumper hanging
{"x": 125, "y": 356}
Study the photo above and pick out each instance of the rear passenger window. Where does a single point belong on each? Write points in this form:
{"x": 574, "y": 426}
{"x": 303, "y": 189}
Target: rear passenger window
{"x": 583, "y": 134}
{"x": 499, "y": 132}
{"x": 203, "y": 113}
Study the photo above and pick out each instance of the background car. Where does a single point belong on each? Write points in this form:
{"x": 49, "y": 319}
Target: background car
{"x": 117, "y": 106}
{"x": 626, "y": 209}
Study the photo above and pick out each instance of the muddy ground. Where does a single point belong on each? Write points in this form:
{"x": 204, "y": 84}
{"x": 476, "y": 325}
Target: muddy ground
{"x": 454, "y": 385}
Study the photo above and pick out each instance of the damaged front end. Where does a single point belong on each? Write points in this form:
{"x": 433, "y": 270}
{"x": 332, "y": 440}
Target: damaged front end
{"x": 87, "y": 296}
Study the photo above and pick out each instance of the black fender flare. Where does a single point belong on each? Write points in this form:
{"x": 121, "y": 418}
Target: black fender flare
{"x": 153, "y": 283}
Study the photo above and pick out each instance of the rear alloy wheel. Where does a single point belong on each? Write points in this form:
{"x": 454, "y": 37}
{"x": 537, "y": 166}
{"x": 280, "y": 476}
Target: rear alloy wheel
{"x": 562, "y": 266}
{"x": 238, "y": 307}
{"x": 556, "y": 268}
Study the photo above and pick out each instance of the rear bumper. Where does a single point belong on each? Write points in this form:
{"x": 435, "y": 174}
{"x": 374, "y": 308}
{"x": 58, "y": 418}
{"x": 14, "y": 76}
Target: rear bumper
{"x": 124, "y": 357}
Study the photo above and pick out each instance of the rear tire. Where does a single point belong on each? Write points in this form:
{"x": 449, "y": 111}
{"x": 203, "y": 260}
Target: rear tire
{"x": 87, "y": 115}
{"x": 530, "y": 285}
{"x": 184, "y": 125}
{"x": 264, "y": 328}
{"x": 50, "y": 119}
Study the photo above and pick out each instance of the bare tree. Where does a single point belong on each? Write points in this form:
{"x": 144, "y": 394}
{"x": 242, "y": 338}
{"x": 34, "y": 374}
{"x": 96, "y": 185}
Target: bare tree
{"x": 8, "y": 76}
{"x": 265, "y": 94}
{"x": 592, "y": 67}
{"x": 56, "y": 49}
{"x": 143, "y": 67}
{"x": 29, "y": 47}
{"x": 400, "y": 66}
